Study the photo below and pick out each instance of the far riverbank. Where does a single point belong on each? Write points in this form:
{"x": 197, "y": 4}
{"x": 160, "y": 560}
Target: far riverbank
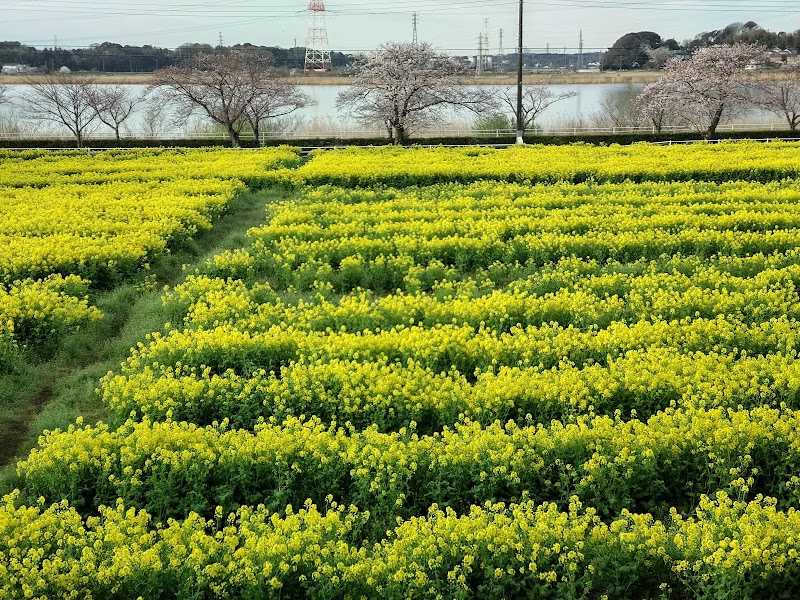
{"x": 489, "y": 79}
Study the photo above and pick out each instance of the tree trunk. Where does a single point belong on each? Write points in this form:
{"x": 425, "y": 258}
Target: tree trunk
{"x": 236, "y": 141}
{"x": 116, "y": 132}
{"x": 398, "y": 135}
{"x": 794, "y": 121}
{"x": 79, "y": 139}
{"x": 711, "y": 132}
{"x": 256, "y": 132}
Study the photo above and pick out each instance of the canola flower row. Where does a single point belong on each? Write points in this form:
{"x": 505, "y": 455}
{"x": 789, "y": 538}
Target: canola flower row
{"x": 38, "y": 168}
{"x": 100, "y": 218}
{"x": 364, "y": 167}
{"x": 391, "y": 396}
{"x": 172, "y": 469}
{"x": 588, "y": 418}
{"x": 465, "y": 349}
{"x": 104, "y": 233}
{"x": 730, "y": 548}
{"x": 409, "y": 239}
{"x": 40, "y": 313}
{"x": 204, "y": 302}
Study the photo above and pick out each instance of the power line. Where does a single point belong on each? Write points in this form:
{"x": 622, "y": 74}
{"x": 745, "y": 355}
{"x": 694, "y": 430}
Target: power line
{"x": 379, "y": 7}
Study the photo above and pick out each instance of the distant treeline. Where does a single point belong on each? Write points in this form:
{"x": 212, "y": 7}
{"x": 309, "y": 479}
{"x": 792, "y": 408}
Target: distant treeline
{"x": 747, "y": 33}
{"x": 116, "y": 58}
{"x": 628, "y": 52}
{"x": 646, "y": 49}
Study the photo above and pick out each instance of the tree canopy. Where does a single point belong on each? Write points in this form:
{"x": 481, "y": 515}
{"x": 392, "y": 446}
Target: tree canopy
{"x": 231, "y": 88}
{"x": 630, "y": 51}
{"x": 402, "y": 86}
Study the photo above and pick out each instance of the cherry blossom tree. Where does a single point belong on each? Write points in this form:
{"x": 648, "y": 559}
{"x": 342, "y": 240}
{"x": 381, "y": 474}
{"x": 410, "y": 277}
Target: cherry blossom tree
{"x": 230, "y": 88}
{"x": 657, "y": 105}
{"x": 707, "y": 86}
{"x": 535, "y": 100}
{"x": 406, "y": 86}
{"x": 658, "y": 56}
{"x": 780, "y": 93}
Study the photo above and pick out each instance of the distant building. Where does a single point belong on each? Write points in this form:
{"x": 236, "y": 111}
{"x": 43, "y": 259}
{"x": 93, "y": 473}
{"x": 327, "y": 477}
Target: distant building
{"x": 17, "y": 69}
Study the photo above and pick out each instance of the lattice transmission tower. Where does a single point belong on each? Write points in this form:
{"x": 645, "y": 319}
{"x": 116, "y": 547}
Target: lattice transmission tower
{"x": 318, "y": 53}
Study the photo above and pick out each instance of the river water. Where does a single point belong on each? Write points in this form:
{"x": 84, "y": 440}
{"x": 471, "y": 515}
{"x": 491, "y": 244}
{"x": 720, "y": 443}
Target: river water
{"x": 583, "y": 110}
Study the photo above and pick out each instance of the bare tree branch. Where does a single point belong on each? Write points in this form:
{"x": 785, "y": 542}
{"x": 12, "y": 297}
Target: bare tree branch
{"x": 535, "y": 100}
{"x": 272, "y": 99}
{"x": 113, "y": 105}
{"x": 232, "y": 88}
{"x": 3, "y": 93}
{"x": 658, "y": 105}
{"x": 63, "y": 99}
{"x": 404, "y": 86}
{"x": 780, "y": 94}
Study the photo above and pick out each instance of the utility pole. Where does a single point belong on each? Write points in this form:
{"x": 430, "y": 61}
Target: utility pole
{"x": 580, "y": 50}
{"x": 479, "y": 59}
{"x": 520, "y": 124}
{"x": 414, "y": 39}
{"x": 487, "y": 55}
{"x": 220, "y": 40}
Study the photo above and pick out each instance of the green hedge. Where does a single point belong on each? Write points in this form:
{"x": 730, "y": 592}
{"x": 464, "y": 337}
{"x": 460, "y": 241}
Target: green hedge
{"x": 627, "y": 138}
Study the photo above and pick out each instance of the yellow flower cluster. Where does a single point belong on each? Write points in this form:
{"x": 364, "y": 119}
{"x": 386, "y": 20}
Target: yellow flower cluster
{"x": 36, "y": 168}
{"x": 101, "y": 217}
{"x": 730, "y": 548}
{"x": 574, "y": 162}
{"x": 549, "y": 391}
{"x": 102, "y": 231}
{"x": 39, "y": 313}
{"x": 609, "y": 463}
{"x": 393, "y": 395}
{"x": 389, "y": 239}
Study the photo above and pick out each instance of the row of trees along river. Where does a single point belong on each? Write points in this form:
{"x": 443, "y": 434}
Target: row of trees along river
{"x": 403, "y": 89}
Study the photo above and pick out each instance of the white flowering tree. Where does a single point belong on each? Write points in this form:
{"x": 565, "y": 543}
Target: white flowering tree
{"x": 780, "y": 93}
{"x": 3, "y": 93}
{"x": 406, "y": 86}
{"x": 707, "y": 87}
{"x": 535, "y": 100}
{"x": 657, "y": 105}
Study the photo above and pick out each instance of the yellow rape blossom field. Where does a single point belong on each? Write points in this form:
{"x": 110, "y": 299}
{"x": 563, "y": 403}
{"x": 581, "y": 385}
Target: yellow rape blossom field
{"x": 70, "y": 221}
{"x": 548, "y": 373}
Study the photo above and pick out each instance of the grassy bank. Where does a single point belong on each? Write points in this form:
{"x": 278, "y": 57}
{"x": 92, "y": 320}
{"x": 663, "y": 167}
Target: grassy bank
{"x": 48, "y": 394}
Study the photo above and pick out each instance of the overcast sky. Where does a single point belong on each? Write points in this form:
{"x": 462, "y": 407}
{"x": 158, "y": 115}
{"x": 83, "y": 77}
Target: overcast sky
{"x": 352, "y": 26}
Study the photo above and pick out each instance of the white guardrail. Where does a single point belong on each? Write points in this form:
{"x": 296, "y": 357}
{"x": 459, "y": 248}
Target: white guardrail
{"x": 356, "y": 133}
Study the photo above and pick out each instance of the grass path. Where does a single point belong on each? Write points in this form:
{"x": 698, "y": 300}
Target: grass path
{"x": 53, "y": 393}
